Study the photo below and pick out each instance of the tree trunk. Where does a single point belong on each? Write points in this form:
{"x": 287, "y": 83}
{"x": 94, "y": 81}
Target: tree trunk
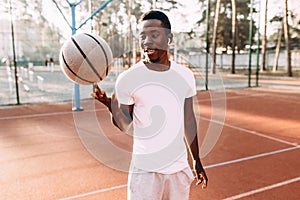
{"x": 264, "y": 41}
{"x": 287, "y": 39}
{"x": 214, "y": 40}
{"x": 233, "y": 5}
{"x": 154, "y": 4}
{"x": 129, "y": 38}
{"x": 275, "y": 66}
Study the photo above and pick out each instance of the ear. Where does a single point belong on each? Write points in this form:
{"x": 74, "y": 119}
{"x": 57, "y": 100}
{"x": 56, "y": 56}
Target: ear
{"x": 170, "y": 38}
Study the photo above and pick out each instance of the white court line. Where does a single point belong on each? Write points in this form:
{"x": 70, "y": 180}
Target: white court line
{"x": 263, "y": 189}
{"x": 45, "y": 114}
{"x": 206, "y": 167}
{"x": 241, "y": 96}
{"x": 250, "y": 131}
{"x": 295, "y": 146}
{"x": 251, "y": 157}
{"x": 34, "y": 115}
{"x": 95, "y": 192}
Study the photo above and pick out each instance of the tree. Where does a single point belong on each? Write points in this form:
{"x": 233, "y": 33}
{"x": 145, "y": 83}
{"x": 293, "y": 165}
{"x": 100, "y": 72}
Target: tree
{"x": 214, "y": 40}
{"x": 287, "y": 39}
{"x": 224, "y": 32}
{"x": 35, "y": 37}
{"x": 109, "y": 23}
{"x": 294, "y": 28}
{"x": 264, "y": 41}
{"x": 165, "y": 5}
{"x": 275, "y": 66}
{"x": 128, "y": 43}
{"x": 279, "y": 20}
{"x": 234, "y": 20}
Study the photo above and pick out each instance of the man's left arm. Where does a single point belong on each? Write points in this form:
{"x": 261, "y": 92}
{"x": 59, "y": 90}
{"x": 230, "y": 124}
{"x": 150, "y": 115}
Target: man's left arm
{"x": 190, "y": 126}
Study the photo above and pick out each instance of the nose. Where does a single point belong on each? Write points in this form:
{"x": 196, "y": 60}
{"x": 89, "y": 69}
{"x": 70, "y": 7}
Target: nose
{"x": 147, "y": 41}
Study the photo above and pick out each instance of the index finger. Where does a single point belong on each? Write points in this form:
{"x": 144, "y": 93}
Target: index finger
{"x": 204, "y": 181}
{"x": 95, "y": 85}
{"x": 204, "y": 185}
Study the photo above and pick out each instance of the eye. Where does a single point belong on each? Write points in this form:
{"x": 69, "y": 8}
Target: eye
{"x": 154, "y": 35}
{"x": 142, "y": 37}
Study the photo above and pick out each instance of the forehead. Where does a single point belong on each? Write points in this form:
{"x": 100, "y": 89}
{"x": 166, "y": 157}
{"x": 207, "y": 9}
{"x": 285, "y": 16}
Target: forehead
{"x": 151, "y": 25}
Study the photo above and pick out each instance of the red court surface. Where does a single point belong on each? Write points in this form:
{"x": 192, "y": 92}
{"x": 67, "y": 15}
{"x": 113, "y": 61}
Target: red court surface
{"x": 256, "y": 155}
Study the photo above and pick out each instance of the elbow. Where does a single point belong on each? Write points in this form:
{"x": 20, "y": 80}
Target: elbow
{"x": 121, "y": 126}
{"x": 126, "y": 128}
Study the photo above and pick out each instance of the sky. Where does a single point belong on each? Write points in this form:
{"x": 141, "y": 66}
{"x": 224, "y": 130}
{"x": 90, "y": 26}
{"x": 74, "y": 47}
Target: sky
{"x": 275, "y": 7}
{"x": 192, "y": 8}
{"x": 55, "y": 17}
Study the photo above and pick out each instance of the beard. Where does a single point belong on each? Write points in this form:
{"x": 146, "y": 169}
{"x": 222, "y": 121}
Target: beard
{"x": 154, "y": 60}
{"x": 151, "y": 60}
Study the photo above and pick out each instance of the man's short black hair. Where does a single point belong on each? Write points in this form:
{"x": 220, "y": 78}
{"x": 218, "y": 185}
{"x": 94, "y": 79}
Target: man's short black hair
{"x": 156, "y": 14}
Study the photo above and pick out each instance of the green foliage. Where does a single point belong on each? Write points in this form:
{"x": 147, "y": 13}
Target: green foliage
{"x": 294, "y": 28}
{"x": 224, "y": 32}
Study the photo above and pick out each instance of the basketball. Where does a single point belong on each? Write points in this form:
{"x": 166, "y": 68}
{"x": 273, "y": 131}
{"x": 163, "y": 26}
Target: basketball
{"x": 85, "y": 58}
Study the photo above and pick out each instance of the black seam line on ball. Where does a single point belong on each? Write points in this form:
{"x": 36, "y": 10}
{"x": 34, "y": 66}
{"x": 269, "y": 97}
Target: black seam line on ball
{"x": 69, "y": 68}
{"x": 87, "y": 59}
{"x": 106, "y": 58}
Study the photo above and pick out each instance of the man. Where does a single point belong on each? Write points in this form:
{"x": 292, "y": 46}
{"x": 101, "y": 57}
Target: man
{"x": 155, "y": 97}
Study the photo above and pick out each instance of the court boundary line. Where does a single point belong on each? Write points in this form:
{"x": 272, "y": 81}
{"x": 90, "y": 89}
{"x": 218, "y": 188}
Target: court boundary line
{"x": 250, "y": 131}
{"x": 252, "y": 192}
{"x": 238, "y": 96}
{"x": 294, "y": 147}
{"x": 252, "y": 157}
{"x": 95, "y": 192}
{"x": 205, "y": 167}
{"x": 47, "y": 114}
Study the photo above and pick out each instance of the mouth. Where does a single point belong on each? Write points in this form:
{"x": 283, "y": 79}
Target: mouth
{"x": 152, "y": 55}
{"x": 150, "y": 51}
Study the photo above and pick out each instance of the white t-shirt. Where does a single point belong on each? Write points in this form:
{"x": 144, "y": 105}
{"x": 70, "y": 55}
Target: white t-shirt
{"x": 158, "y": 114}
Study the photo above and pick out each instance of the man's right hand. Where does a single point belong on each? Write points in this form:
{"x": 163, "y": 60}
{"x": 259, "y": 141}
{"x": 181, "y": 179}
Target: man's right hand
{"x": 121, "y": 114}
{"x": 101, "y": 96}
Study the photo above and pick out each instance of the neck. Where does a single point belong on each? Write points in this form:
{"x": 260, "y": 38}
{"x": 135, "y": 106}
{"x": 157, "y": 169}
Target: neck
{"x": 157, "y": 66}
{"x": 163, "y": 64}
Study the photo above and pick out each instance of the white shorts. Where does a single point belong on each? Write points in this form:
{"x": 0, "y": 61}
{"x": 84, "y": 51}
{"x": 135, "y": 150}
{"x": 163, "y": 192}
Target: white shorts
{"x": 144, "y": 185}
